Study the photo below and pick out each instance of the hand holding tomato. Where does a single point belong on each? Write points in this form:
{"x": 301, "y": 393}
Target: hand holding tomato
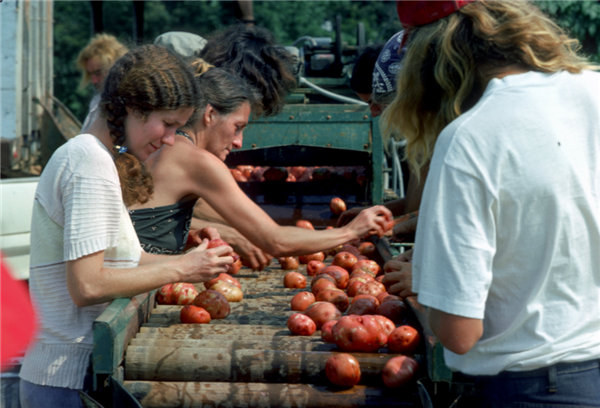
{"x": 195, "y": 237}
{"x": 202, "y": 264}
{"x": 348, "y": 216}
{"x": 371, "y": 221}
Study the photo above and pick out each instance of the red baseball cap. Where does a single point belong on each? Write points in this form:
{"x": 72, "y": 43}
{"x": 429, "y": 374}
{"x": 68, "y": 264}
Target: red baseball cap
{"x": 418, "y": 13}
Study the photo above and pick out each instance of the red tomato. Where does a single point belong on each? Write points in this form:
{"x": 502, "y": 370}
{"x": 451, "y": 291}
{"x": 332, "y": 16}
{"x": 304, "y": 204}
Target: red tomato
{"x": 343, "y": 370}
{"x": 194, "y": 314}
{"x": 304, "y": 224}
{"x": 337, "y": 205}
{"x": 399, "y": 370}
{"x": 404, "y": 340}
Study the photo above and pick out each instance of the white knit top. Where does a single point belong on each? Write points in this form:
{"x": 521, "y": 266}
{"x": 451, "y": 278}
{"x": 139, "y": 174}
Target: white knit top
{"x": 78, "y": 211}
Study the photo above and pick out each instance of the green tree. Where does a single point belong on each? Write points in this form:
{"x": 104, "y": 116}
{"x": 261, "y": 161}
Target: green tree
{"x": 580, "y": 19}
{"x": 288, "y": 20}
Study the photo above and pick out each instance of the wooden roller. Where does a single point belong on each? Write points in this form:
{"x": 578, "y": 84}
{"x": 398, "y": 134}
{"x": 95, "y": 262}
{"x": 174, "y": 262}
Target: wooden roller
{"x": 288, "y": 344}
{"x": 231, "y": 365}
{"x": 255, "y": 330}
{"x": 217, "y": 337}
{"x": 253, "y": 395}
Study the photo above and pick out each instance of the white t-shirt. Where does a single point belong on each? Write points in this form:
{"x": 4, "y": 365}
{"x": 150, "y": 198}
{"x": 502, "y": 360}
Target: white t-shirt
{"x": 509, "y": 228}
{"x": 78, "y": 211}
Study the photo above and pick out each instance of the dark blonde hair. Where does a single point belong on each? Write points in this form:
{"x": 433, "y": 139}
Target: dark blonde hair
{"x": 146, "y": 79}
{"x": 446, "y": 60}
{"x": 106, "y": 48}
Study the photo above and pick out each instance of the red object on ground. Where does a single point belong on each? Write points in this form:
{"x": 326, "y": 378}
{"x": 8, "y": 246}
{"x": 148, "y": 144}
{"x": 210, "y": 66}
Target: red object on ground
{"x": 18, "y": 320}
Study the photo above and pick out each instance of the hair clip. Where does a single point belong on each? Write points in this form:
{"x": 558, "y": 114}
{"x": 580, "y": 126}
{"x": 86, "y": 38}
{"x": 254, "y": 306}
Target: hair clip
{"x": 120, "y": 149}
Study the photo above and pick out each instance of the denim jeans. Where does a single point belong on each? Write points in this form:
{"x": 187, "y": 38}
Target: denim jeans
{"x": 36, "y": 396}
{"x": 559, "y": 386}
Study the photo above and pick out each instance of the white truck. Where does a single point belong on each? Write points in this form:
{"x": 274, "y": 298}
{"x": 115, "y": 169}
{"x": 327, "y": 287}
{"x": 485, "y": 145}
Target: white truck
{"x": 33, "y": 122}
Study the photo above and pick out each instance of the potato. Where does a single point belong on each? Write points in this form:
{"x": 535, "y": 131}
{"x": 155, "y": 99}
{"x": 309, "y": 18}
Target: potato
{"x": 326, "y": 335}
{"x": 404, "y": 340}
{"x": 337, "y": 297}
{"x": 301, "y": 325}
{"x": 340, "y": 275}
{"x": 369, "y": 297}
{"x": 301, "y": 301}
{"x": 223, "y": 277}
{"x": 214, "y": 303}
{"x": 345, "y": 260}
{"x": 386, "y": 325}
{"x": 373, "y": 288}
{"x": 316, "y": 278}
{"x": 194, "y": 314}
{"x": 294, "y": 280}
{"x": 322, "y": 312}
{"x": 399, "y": 370}
{"x": 362, "y": 307}
{"x": 343, "y": 370}
{"x": 164, "y": 296}
{"x": 231, "y": 292}
{"x": 358, "y": 333}
{"x": 321, "y": 285}
{"x": 184, "y": 293}
{"x": 313, "y": 267}
{"x": 368, "y": 266}
{"x": 305, "y": 259}
{"x": 393, "y": 310}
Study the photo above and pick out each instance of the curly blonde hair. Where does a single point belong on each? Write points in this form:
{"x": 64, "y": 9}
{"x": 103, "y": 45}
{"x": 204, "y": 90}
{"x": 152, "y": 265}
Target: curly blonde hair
{"x": 446, "y": 63}
{"x": 106, "y": 48}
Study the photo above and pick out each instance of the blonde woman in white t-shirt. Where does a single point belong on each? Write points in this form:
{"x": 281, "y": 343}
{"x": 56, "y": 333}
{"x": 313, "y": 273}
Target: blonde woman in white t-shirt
{"x": 494, "y": 96}
{"x": 84, "y": 250}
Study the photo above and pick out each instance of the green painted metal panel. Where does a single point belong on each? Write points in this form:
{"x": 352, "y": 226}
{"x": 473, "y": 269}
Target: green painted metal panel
{"x": 113, "y": 329}
{"x": 339, "y": 127}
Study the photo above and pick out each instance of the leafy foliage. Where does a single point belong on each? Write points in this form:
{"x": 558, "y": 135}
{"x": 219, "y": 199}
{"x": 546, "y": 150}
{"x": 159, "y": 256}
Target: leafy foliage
{"x": 288, "y": 20}
{"x": 580, "y": 19}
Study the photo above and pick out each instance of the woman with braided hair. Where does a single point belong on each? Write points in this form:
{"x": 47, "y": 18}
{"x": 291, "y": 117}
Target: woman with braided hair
{"x": 84, "y": 249}
{"x": 193, "y": 167}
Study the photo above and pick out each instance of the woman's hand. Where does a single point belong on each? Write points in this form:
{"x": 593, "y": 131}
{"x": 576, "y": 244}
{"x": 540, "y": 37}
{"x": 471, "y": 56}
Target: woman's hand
{"x": 195, "y": 237}
{"x": 371, "y": 221}
{"x": 398, "y": 275}
{"x": 348, "y": 216}
{"x": 405, "y": 226}
{"x": 201, "y": 264}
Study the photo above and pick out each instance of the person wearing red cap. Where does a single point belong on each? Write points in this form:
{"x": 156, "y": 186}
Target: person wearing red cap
{"x": 495, "y": 97}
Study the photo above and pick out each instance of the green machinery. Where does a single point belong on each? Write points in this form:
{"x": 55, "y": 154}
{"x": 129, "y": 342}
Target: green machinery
{"x": 313, "y": 135}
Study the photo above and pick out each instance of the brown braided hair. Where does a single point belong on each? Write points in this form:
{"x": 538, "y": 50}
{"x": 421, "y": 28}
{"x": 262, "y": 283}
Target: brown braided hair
{"x": 146, "y": 79}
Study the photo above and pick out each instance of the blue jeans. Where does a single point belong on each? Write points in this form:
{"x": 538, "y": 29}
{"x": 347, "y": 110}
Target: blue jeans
{"x": 559, "y": 386}
{"x": 36, "y": 396}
